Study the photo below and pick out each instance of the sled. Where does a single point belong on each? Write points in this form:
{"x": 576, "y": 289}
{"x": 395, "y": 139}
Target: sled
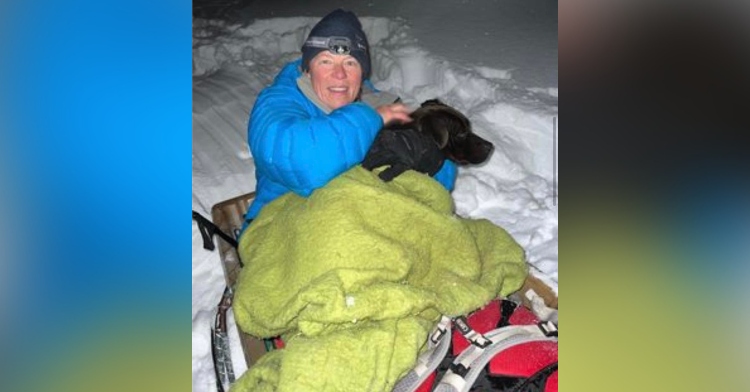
{"x": 228, "y": 216}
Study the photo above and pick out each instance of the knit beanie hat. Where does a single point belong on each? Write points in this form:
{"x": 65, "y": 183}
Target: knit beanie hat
{"x": 341, "y": 33}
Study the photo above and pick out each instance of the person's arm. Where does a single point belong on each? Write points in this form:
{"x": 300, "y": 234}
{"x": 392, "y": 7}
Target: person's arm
{"x": 304, "y": 152}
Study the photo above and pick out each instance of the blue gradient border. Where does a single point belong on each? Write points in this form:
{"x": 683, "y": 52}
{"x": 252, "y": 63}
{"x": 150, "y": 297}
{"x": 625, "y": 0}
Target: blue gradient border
{"x": 96, "y": 106}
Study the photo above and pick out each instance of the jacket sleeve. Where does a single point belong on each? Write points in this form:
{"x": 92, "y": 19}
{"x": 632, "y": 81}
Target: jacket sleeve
{"x": 447, "y": 175}
{"x": 304, "y": 151}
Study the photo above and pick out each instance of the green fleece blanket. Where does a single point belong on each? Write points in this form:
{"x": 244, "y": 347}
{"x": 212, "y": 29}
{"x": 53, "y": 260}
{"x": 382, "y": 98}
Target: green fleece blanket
{"x": 355, "y": 276}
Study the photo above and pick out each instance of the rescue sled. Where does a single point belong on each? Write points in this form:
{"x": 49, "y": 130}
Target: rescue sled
{"x": 228, "y": 218}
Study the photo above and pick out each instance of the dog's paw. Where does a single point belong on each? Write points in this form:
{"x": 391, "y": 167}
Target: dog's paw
{"x": 392, "y": 172}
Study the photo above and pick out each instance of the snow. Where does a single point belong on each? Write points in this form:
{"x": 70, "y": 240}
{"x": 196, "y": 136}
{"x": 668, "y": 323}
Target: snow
{"x": 496, "y": 61}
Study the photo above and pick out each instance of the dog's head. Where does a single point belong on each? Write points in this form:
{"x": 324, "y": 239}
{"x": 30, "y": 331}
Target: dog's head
{"x": 452, "y": 132}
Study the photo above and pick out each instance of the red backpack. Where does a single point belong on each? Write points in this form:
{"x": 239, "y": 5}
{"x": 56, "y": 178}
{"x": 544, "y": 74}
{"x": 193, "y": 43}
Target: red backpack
{"x": 501, "y": 347}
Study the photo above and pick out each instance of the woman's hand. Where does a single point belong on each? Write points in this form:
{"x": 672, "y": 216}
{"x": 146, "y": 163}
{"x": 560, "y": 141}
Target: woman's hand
{"x": 397, "y": 112}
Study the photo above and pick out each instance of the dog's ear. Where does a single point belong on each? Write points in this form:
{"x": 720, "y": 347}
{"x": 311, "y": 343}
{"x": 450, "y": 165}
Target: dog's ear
{"x": 432, "y": 102}
{"x": 434, "y": 126}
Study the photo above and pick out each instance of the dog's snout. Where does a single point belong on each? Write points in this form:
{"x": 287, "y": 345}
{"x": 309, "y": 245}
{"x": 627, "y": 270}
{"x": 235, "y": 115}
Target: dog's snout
{"x": 480, "y": 149}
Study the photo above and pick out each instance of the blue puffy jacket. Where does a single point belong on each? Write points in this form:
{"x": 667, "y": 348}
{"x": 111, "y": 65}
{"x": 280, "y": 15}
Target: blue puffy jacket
{"x": 297, "y": 147}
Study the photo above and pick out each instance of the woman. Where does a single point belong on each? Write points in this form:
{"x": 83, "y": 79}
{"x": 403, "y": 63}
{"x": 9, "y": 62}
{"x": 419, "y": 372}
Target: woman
{"x": 321, "y": 114}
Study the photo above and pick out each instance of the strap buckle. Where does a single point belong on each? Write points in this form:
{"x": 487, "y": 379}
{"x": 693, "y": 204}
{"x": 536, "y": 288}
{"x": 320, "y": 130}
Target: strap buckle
{"x": 440, "y": 330}
{"x": 470, "y": 334}
{"x": 548, "y": 328}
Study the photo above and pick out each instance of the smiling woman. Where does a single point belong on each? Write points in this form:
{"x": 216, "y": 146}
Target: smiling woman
{"x": 321, "y": 114}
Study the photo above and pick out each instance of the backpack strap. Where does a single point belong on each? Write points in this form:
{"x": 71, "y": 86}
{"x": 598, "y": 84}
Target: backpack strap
{"x": 506, "y": 310}
{"x": 467, "y": 366}
{"x": 437, "y": 347}
{"x": 208, "y": 229}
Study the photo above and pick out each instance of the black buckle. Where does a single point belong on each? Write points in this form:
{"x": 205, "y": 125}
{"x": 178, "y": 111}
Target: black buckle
{"x": 548, "y": 328}
{"x": 437, "y": 335}
{"x": 459, "y": 369}
{"x": 471, "y": 335}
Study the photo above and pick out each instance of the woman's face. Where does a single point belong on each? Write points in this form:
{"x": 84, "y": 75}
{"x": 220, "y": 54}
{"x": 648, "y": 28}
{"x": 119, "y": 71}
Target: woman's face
{"x": 336, "y": 79}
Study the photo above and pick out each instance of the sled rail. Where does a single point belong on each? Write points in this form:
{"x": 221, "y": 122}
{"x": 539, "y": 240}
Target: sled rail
{"x": 229, "y": 215}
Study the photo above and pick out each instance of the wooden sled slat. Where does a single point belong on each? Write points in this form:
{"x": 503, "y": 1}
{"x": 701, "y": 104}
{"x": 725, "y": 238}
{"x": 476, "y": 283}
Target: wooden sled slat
{"x": 544, "y": 291}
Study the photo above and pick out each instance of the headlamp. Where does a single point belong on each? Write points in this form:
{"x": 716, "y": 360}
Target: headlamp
{"x": 335, "y": 45}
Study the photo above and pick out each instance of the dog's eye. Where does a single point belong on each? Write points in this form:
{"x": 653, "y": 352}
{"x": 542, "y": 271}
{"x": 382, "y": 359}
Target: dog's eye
{"x": 460, "y": 134}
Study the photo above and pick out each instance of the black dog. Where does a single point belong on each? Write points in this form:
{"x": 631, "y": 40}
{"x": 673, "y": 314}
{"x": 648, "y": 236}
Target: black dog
{"x": 436, "y": 132}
